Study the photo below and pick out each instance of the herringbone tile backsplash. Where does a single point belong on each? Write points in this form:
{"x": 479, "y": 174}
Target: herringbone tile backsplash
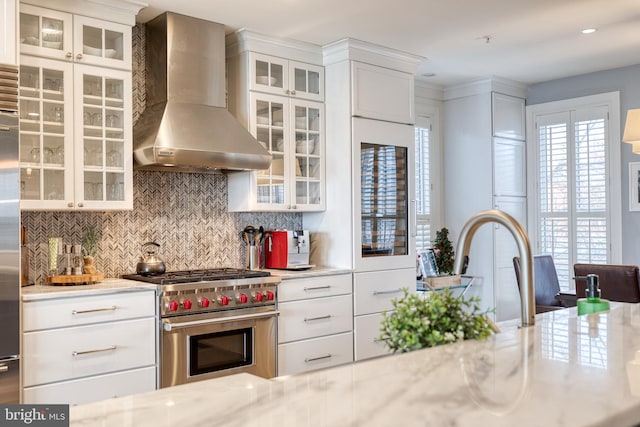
{"x": 183, "y": 212}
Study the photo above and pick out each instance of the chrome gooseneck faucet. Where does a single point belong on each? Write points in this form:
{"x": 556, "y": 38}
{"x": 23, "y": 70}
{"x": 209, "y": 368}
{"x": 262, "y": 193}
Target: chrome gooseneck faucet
{"x": 527, "y": 290}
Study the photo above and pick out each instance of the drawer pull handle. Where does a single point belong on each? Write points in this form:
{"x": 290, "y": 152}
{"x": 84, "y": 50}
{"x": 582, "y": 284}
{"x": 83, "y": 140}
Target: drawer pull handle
{"x": 4, "y": 368}
{"x": 95, "y": 310}
{"x": 5, "y": 128}
{"x": 315, "y": 288}
{"x": 394, "y": 291}
{"x": 313, "y": 359}
{"x": 310, "y": 319}
{"x": 377, "y": 340}
{"x": 99, "y": 350}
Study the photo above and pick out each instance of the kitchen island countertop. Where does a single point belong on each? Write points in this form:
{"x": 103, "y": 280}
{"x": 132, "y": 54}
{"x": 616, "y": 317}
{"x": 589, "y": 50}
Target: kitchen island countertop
{"x": 567, "y": 370}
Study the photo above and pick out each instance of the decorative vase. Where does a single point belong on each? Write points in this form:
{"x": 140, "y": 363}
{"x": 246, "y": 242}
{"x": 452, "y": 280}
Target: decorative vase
{"x": 88, "y": 267}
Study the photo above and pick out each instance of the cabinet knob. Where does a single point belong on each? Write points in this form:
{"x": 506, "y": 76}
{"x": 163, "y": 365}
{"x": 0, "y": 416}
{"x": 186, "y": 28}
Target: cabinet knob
{"x": 287, "y": 91}
{"x": 69, "y": 205}
{"x": 81, "y": 205}
{"x": 293, "y": 92}
{"x": 79, "y": 56}
{"x": 294, "y": 207}
{"x": 68, "y": 55}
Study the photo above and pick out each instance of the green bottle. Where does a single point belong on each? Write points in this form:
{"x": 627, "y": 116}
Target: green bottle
{"x": 592, "y": 303}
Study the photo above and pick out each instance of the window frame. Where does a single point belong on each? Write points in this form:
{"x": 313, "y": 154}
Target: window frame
{"x": 610, "y": 101}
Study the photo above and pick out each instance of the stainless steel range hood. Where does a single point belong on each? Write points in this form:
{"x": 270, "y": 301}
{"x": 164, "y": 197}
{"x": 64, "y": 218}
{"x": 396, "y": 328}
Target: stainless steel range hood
{"x": 186, "y": 126}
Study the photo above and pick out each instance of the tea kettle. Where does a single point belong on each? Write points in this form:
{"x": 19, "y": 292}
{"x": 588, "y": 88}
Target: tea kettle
{"x": 150, "y": 263}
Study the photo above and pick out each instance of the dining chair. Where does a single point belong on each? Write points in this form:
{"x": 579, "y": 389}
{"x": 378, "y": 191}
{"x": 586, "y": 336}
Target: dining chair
{"x": 545, "y": 278}
{"x": 617, "y": 282}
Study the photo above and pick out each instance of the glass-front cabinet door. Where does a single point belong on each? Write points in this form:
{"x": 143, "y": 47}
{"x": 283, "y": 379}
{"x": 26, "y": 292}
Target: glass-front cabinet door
{"x": 46, "y": 133}
{"x": 308, "y": 154}
{"x": 103, "y": 138}
{"x": 384, "y": 189}
{"x": 279, "y": 76}
{"x": 45, "y": 32}
{"x": 269, "y": 118}
{"x": 101, "y": 43}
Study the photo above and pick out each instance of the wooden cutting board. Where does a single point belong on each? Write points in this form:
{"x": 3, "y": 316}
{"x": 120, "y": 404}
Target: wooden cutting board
{"x": 74, "y": 279}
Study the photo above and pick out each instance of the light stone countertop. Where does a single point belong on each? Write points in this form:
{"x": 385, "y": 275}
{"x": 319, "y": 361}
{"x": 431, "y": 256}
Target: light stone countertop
{"x": 312, "y": 272}
{"x": 42, "y": 292}
{"x": 564, "y": 371}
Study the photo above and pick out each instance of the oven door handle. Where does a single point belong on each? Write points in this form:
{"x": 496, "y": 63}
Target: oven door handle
{"x": 167, "y": 325}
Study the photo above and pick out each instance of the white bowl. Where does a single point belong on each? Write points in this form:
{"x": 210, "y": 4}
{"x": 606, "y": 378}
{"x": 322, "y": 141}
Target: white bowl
{"x": 266, "y": 80}
{"x": 110, "y": 53}
{"x": 307, "y": 146}
{"x": 91, "y": 50}
{"x": 52, "y": 45}
{"x": 301, "y": 122}
{"x": 279, "y": 144}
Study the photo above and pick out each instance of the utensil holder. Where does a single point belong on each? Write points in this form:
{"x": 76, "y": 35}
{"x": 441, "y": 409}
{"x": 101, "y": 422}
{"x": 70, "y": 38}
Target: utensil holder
{"x": 252, "y": 258}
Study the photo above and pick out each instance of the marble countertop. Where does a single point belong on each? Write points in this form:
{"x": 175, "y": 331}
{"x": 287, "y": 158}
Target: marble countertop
{"x": 42, "y": 292}
{"x": 312, "y": 272}
{"x": 567, "y": 370}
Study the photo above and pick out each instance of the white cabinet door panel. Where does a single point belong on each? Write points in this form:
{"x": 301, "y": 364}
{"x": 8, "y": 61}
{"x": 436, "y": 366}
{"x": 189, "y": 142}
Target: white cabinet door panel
{"x": 314, "y": 287}
{"x": 100, "y": 387}
{"x": 67, "y": 353}
{"x": 316, "y": 353}
{"x": 54, "y": 313}
{"x": 382, "y": 94}
{"x": 373, "y": 291}
{"x": 509, "y": 167}
{"x": 366, "y": 332}
{"x": 314, "y": 317}
{"x": 508, "y": 116}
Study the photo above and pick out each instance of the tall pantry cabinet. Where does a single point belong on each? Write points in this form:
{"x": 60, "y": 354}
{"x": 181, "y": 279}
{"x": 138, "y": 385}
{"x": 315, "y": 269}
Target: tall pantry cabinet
{"x": 369, "y": 223}
{"x": 485, "y": 168}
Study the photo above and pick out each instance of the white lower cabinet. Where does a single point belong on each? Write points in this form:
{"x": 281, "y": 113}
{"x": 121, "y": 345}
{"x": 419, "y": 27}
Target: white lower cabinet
{"x": 315, "y": 323}
{"x": 94, "y": 388}
{"x": 366, "y": 337}
{"x": 373, "y": 293}
{"x": 86, "y": 348}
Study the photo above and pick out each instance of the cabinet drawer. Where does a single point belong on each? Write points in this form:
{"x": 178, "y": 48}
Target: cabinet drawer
{"x": 373, "y": 291}
{"x": 315, "y": 353}
{"x": 63, "y": 354}
{"x": 313, "y": 318}
{"x": 366, "y": 332}
{"x": 93, "y": 388}
{"x": 55, "y": 313}
{"x": 314, "y": 287}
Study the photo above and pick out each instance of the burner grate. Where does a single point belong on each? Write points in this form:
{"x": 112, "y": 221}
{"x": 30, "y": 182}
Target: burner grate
{"x": 190, "y": 276}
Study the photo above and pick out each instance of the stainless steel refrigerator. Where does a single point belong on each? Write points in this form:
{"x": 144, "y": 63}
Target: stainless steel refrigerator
{"x": 9, "y": 237}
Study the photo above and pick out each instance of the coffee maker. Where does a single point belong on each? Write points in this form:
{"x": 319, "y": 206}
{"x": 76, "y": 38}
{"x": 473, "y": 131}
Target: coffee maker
{"x": 287, "y": 249}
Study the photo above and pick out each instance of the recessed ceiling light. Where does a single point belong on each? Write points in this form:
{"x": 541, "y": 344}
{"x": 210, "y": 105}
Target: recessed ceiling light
{"x": 428, "y": 74}
{"x": 589, "y": 30}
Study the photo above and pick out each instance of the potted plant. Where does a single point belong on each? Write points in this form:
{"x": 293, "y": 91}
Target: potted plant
{"x": 441, "y": 318}
{"x": 90, "y": 243}
{"x": 443, "y": 254}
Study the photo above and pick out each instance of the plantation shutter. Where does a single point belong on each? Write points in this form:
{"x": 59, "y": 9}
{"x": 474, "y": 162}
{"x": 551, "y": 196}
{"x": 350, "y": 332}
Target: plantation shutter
{"x": 572, "y": 172}
{"x": 423, "y": 189}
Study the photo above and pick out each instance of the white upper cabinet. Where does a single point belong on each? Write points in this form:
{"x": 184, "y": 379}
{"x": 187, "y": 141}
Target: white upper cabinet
{"x": 382, "y": 94}
{"x": 59, "y": 35}
{"x": 280, "y": 76}
{"x": 75, "y": 112}
{"x": 280, "y": 102}
{"x": 8, "y": 32}
{"x": 508, "y": 116}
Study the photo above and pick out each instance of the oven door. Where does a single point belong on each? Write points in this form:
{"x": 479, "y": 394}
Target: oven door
{"x": 204, "y": 346}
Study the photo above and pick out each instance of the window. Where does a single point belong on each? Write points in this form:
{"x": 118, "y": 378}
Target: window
{"x": 423, "y": 188}
{"x": 576, "y": 182}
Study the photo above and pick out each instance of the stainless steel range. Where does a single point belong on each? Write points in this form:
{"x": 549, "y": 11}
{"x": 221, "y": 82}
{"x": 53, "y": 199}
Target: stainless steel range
{"x": 215, "y": 322}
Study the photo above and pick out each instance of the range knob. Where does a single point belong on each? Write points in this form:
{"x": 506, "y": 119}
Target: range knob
{"x": 172, "y": 306}
{"x": 270, "y": 296}
{"x": 242, "y": 298}
{"x": 187, "y": 304}
{"x": 223, "y": 300}
{"x": 257, "y": 296}
{"x": 204, "y": 302}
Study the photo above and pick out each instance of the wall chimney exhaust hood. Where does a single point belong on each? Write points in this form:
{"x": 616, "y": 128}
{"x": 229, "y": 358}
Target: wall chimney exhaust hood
{"x": 186, "y": 126}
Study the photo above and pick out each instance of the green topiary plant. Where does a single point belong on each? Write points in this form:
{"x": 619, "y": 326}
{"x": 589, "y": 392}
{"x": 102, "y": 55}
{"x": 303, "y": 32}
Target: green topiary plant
{"x": 91, "y": 241}
{"x": 443, "y": 252}
{"x": 440, "y": 318}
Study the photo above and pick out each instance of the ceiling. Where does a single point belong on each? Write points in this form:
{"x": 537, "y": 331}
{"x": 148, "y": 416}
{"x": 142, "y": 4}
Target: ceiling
{"x": 528, "y": 41}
